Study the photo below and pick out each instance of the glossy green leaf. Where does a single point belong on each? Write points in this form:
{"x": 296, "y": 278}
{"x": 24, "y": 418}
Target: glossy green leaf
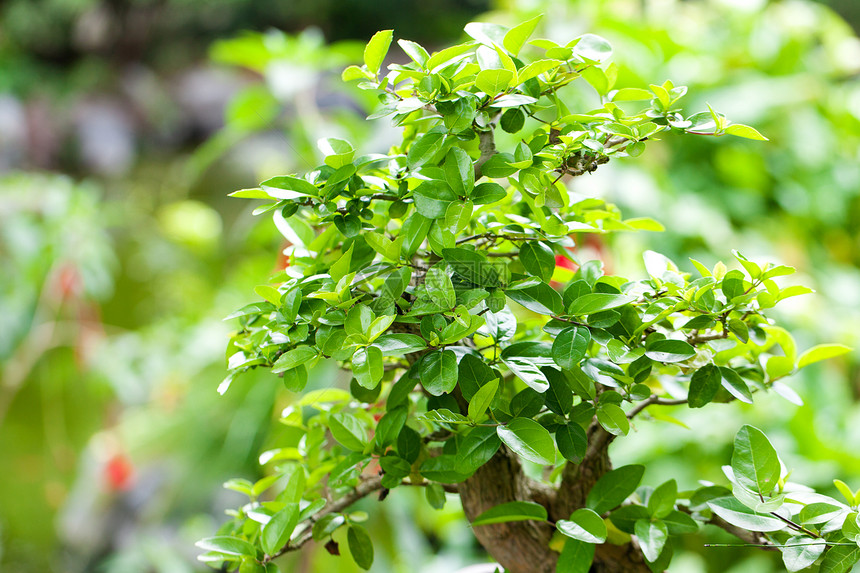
{"x": 438, "y": 372}
{"x": 511, "y": 511}
{"x": 570, "y": 346}
{"x": 800, "y": 552}
{"x": 704, "y": 384}
{"x": 348, "y": 431}
{"x": 745, "y": 131}
{"x": 529, "y": 440}
{"x": 572, "y": 441}
{"x": 276, "y": 533}
{"x": 613, "y": 419}
{"x": 614, "y": 487}
{"x": 360, "y": 546}
{"x": 227, "y": 545}
{"x": 597, "y": 302}
{"x": 493, "y": 82}
{"x": 367, "y": 366}
{"x": 754, "y": 461}
{"x": 840, "y": 559}
{"x": 293, "y": 358}
{"x": 584, "y": 525}
{"x": 668, "y": 350}
{"x": 662, "y": 499}
{"x": 518, "y": 35}
{"x": 540, "y": 298}
{"x": 740, "y": 515}
{"x": 652, "y": 537}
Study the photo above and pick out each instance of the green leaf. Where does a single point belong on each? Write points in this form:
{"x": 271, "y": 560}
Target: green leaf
{"x": 338, "y": 152}
{"x": 227, "y": 545}
{"x": 845, "y": 491}
{"x": 529, "y": 440}
{"x": 487, "y": 193}
{"x": 538, "y": 259}
{"x": 662, "y": 500}
{"x": 745, "y": 131}
{"x": 754, "y": 461}
{"x": 613, "y": 419}
{"x": 679, "y": 523}
{"x": 416, "y": 52}
{"x": 481, "y": 400}
{"x": 293, "y": 358}
{"x": 477, "y": 448}
{"x": 540, "y": 298}
{"x": 472, "y": 266}
{"x": 414, "y": 231}
{"x": 527, "y": 371}
{"x": 341, "y": 267}
{"x": 597, "y": 302}
{"x": 438, "y": 372}
{"x": 652, "y": 537}
{"x": 735, "y": 385}
{"x": 276, "y": 533}
{"x": 614, "y": 487}
{"x": 440, "y": 288}
{"x": 512, "y": 511}
{"x": 389, "y": 426}
{"x": 518, "y": 35}
{"x": 576, "y": 557}
{"x": 286, "y": 187}
{"x": 632, "y": 94}
{"x": 558, "y": 397}
{"x": 348, "y": 431}
{"x": 459, "y": 171}
{"x": 376, "y": 50}
{"x": 740, "y": 515}
{"x": 383, "y": 245}
{"x": 704, "y": 385}
{"x": 398, "y": 344}
{"x": 668, "y": 350}
{"x": 493, "y": 82}
{"x": 432, "y": 198}
{"x": 821, "y": 352}
{"x": 367, "y": 366}
{"x": 425, "y": 148}
{"x": 584, "y": 525}
{"x": 592, "y": 47}
{"x": 572, "y": 441}
{"x": 570, "y": 346}
{"x": 360, "y": 545}
{"x": 800, "y": 552}
{"x": 326, "y": 525}
{"x": 840, "y": 559}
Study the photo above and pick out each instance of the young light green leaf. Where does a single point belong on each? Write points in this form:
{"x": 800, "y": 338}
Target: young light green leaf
{"x": 800, "y": 552}
{"x": 518, "y": 35}
{"x": 745, "y": 131}
{"x": 493, "y": 82}
{"x": 597, "y": 302}
{"x": 668, "y": 350}
{"x": 376, "y": 50}
{"x": 512, "y": 511}
{"x": 821, "y": 352}
{"x": 481, "y": 400}
{"x": 529, "y": 440}
{"x": 662, "y": 499}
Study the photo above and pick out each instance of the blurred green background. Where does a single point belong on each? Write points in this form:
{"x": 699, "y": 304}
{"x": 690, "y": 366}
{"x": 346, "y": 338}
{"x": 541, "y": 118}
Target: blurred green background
{"x": 125, "y": 123}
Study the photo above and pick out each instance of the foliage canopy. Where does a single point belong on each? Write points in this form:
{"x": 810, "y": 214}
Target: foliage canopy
{"x": 484, "y": 350}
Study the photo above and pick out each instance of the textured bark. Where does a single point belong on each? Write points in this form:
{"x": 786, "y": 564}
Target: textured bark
{"x": 523, "y": 546}
{"x": 520, "y": 546}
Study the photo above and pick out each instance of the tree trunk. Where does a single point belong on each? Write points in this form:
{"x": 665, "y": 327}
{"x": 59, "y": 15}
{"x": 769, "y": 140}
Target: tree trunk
{"x": 523, "y": 546}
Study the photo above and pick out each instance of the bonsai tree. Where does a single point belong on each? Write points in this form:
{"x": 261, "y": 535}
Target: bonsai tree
{"x": 487, "y": 358}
